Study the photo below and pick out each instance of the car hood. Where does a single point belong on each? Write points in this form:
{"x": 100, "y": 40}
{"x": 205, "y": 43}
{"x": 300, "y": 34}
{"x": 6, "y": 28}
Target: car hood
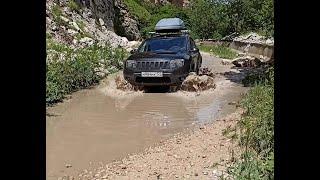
{"x": 148, "y": 55}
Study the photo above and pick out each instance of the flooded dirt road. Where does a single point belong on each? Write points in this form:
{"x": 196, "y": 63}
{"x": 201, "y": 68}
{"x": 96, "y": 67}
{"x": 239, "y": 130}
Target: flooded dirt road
{"x": 96, "y": 126}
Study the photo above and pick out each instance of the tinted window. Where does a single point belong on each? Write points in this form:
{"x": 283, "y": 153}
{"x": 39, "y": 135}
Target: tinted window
{"x": 171, "y": 44}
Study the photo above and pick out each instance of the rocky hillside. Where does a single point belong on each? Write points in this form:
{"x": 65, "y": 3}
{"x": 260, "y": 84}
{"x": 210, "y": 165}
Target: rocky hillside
{"x": 81, "y": 24}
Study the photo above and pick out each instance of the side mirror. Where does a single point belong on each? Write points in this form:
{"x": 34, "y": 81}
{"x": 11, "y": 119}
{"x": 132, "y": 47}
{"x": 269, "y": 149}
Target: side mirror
{"x": 133, "y": 51}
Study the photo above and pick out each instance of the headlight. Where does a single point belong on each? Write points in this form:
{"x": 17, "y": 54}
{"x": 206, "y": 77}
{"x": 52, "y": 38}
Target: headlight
{"x": 131, "y": 63}
{"x": 176, "y": 63}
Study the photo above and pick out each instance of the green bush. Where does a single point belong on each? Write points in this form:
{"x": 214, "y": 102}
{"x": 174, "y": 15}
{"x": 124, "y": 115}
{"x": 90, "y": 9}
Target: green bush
{"x": 264, "y": 76}
{"x": 256, "y": 134}
{"x": 73, "y": 6}
{"x": 216, "y": 19}
{"x": 56, "y": 10}
{"x": 219, "y": 50}
{"x": 209, "y": 19}
{"x": 77, "y": 69}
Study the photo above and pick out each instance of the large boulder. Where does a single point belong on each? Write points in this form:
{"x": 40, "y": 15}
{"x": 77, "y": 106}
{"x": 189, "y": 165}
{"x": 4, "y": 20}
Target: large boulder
{"x": 196, "y": 83}
{"x": 125, "y": 24}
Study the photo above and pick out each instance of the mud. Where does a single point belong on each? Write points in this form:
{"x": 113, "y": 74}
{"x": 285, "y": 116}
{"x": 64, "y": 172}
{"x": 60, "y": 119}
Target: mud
{"x": 103, "y": 124}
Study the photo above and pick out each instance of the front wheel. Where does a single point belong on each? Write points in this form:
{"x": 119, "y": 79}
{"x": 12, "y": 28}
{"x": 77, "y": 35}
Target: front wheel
{"x": 194, "y": 68}
{"x": 197, "y": 69}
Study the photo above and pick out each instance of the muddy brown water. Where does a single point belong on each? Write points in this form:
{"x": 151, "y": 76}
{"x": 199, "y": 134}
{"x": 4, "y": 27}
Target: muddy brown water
{"x": 93, "y": 127}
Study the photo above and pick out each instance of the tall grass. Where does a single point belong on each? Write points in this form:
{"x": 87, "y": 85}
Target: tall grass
{"x": 256, "y": 136}
{"x": 219, "y": 50}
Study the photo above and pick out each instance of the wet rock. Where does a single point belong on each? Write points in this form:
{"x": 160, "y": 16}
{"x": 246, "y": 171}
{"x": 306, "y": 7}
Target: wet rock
{"x": 196, "y": 174}
{"x": 205, "y": 173}
{"x": 122, "y": 84}
{"x": 68, "y": 165}
{"x": 197, "y": 83}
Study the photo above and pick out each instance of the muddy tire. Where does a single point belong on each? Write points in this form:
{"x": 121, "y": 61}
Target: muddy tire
{"x": 197, "y": 69}
{"x": 193, "y": 68}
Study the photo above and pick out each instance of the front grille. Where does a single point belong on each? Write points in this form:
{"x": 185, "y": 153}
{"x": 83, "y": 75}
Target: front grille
{"x": 153, "y": 64}
{"x": 153, "y": 79}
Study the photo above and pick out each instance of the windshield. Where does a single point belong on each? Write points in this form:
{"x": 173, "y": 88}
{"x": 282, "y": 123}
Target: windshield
{"x": 164, "y": 45}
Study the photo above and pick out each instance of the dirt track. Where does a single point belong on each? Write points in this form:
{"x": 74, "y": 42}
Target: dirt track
{"x": 99, "y": 126}
{"x": 202, "y": 154}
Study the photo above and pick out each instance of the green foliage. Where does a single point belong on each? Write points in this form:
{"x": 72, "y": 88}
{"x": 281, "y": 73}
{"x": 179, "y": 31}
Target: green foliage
{"x": 73, "y": 6}
{"x": 264, "y": 77}
{"x": 138, "y": 11}
{"x": 69, "y": 70}
{"x": 203, "y": 18}
{"x": 219, "y": 50}
{"x": 80, "y": 24}
{"x": 251, "y": 15}
{"x": 56, "y": 10}
{"x": 215, "y": 19}
{"x": 57, "y": 13}
{"x": 209, "y": 19}
{"x": 256, "y": 134}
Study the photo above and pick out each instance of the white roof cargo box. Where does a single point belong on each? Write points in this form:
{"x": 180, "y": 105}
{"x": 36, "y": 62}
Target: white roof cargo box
{"x": 170, "y": 24}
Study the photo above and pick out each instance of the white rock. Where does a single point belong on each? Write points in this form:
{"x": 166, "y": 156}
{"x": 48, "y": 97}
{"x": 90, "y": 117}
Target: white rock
{"x": 87, "y": 41}
{"x": 133, "y": 44}
{"x": 48, "y": 20}
{"x": 64, "y": 19}
{"x": 74, "y": 41}
{"x": 75, "y": 25}
{"x": 72, "y": 32}
{"x": 101, "y": 22}
{"x": 54, "y": 28}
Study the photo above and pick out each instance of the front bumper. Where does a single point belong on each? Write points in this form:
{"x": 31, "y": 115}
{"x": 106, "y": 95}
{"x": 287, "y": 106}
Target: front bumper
{"x": 169, "y": 78}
